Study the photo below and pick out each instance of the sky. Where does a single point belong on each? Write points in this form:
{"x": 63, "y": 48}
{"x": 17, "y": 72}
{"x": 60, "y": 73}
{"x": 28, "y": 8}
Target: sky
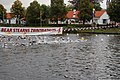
{"x": 8, "y": 3}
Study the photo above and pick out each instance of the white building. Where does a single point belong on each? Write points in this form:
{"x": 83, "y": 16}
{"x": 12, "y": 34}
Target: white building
{"x": 101, "y": 17}
{"x": 11, "y": 19}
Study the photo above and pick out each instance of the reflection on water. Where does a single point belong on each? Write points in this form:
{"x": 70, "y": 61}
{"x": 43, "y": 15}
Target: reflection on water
{"x": 93, "y": 57}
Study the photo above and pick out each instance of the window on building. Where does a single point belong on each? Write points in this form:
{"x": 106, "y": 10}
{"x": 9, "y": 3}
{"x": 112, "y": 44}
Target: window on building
{"x": 104, "y": 21}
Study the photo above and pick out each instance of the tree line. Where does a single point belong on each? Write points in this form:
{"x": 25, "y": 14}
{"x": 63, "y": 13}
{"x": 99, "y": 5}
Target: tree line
{"x": 39, "y": 14}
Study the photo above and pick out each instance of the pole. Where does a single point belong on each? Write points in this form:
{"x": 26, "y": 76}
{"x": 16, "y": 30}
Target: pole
{"x": 93, "y": 10}
{"x": 93, "y": 15}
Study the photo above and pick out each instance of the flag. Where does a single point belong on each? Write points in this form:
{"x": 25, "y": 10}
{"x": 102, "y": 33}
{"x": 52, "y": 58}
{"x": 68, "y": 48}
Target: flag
{"x": 93, "y": 12}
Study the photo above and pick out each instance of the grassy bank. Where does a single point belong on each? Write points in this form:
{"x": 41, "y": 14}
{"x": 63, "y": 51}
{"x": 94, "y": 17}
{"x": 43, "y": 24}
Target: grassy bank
{"x": 102, "y": 31}
{"x": 98, "y": 31}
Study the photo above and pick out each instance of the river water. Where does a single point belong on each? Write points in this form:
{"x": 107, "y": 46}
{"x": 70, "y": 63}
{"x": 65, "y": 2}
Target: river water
{"x": 94, "y": 57}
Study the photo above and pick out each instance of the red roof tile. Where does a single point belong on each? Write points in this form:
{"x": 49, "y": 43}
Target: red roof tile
{"x": 8, "y": 15}
{"x": 98, "y": 14}
{"x": 71, "y": 13}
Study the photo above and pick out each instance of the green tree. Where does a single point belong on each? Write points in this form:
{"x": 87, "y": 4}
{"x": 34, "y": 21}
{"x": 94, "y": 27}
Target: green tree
{"x": 18, "y": 10}
{"x": 114, "y": 10}
{"x": 2, "y": 12}
{"x": 33, "y": 14}
{"x": 45, "y": 13}
{"x": 97, "y": 6}
{"x": 69, "y": 7}
{"x": 76, "y": 3}
{"x": 58, "y": 9}
{"x": 86, "y": 9}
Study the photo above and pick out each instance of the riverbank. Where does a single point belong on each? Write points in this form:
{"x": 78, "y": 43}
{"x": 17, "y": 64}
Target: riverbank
{"x": 102, "y": 29}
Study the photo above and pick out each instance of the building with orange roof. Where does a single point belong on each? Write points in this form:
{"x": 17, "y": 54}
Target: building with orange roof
{"x": 101, "y": 17}
{"x": 72, "y": 16}
{"x": 9, "y": 15}
{"x": 11, "y": 19}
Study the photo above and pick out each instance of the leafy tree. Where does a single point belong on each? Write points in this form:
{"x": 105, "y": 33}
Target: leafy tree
{"x": 58, "y": 9}
{"x": 33, "y": 14}
{"x": 114, "y": 10}
{"x": 97, "y": 6}
{"x": 2, "y": 12}
{"x": 85, "y": 9}
{"x": 45, "y": 12}
{"x": 69, "y": 7}
{"x": 76, "y": 3}
{"x": 18, "y": 10}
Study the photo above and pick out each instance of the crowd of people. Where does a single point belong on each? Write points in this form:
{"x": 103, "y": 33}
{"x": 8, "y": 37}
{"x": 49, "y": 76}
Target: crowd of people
{"x": 31, "y": 40}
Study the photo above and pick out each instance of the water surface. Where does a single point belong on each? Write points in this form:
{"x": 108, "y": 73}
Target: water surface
{"x": 95, "y": 57}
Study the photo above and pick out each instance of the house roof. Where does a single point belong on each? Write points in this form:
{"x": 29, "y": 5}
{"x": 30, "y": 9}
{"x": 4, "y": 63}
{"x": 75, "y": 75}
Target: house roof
{"x": 9, "y": 15}
{"x": 98, "y": 14}
{"x": 72, "y": 14}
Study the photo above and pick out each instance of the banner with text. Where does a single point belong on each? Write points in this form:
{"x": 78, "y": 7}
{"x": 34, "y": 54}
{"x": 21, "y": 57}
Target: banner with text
{"x": 30, "y": 31}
